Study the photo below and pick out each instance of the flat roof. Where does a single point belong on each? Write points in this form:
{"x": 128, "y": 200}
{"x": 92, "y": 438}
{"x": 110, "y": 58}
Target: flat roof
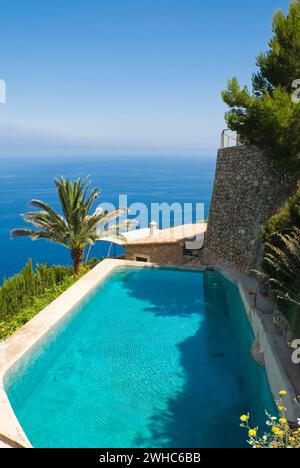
{"x": 161, "y": 236}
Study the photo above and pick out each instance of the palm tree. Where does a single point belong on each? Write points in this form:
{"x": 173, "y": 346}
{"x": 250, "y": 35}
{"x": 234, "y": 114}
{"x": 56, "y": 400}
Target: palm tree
{"x": 76, "y": 228}
{"x": 283, "y": 263}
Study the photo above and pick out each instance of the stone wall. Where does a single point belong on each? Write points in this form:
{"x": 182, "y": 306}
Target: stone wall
{"x": 248, "y": 189}
{"x": 161, "y": 253}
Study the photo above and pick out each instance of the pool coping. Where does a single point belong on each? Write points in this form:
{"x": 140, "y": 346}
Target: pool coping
{"x": 20, "y": 343}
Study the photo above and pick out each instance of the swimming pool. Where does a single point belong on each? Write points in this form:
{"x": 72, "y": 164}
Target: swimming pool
{"x": 152, "y": 358}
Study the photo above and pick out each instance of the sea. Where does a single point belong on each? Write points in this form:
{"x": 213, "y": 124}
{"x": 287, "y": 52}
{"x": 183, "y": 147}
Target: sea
{"x": 146, "y": 180}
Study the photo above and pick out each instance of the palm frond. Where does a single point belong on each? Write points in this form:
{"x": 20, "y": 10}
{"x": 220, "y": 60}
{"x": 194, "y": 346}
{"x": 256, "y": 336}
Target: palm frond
{"x": 75, "y": 228}
{"x": 43, "y": 206}
{"x": 22, "y": 232}
{"x": 283, "y": 264}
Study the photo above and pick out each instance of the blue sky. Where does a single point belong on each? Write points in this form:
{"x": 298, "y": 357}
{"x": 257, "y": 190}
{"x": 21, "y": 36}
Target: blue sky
{"x": 123, "y": 76}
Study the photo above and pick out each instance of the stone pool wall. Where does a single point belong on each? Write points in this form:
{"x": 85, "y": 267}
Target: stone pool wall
{"x": 160, "y": 253}
{"x": 249, "y": 187}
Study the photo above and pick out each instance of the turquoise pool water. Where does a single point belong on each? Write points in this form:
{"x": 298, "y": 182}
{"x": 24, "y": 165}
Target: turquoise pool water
{"x": 152, "y": 358}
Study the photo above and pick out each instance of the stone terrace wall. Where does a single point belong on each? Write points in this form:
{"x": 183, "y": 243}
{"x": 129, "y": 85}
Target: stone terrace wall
{"x": 164, "y": 254}
{"x": 248, "y": 189}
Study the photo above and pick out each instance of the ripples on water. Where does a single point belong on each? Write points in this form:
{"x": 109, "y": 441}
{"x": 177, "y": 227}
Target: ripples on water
{"x": 153, "y": 358}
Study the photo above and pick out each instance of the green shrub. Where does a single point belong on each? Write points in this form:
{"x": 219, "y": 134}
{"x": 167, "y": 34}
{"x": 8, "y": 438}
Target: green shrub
{"x": 286, "y": 218}
{"x": 282, "y": 268}
{"x": 280, "y": 264}
{"x": 26, "y": 293}
{"x": 12, "y": 322}
{"x": 93, "y": 262}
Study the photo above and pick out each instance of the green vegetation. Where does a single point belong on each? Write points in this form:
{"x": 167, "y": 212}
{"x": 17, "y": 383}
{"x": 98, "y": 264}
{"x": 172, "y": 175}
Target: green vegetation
{"x": 282, "y": 264}
{"x": 75, "y": 229}
{"x": 286, "y": 218}
{"x": 282, "y": 259}
{"x": 28, "y": 292}
{"x": 267, "y": 116}
{"x": 281, "y": 435}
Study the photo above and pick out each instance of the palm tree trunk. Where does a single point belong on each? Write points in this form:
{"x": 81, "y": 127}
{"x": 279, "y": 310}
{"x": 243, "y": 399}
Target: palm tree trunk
{"x": 77, "y": 257}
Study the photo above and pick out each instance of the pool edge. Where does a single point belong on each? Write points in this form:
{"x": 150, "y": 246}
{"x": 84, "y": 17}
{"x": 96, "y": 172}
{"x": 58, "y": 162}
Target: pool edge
{"x": 280, "y": 370}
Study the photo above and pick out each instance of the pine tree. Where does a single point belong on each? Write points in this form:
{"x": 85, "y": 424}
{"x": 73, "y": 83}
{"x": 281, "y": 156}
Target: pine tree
{"x": 267, "y": 116}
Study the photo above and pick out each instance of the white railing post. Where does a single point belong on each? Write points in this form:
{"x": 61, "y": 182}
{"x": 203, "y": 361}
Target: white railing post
{"x": 223, "y": 138}
{"x": 228, "y": 140}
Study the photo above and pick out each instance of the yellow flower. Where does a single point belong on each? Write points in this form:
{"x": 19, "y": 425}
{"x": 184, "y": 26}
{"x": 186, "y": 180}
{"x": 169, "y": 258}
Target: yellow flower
{"x": 244, "y": 418}
{"x": 252, "y": 433}
{"x": 277, "y": 431}
{"x": 280, "y": 408}
{"x": 282, "y": 392}
{"x": 283, "y": 421}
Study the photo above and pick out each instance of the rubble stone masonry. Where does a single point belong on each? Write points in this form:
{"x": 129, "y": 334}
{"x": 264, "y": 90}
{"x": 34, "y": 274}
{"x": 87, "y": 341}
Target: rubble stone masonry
{"x": 248, "y": 188}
